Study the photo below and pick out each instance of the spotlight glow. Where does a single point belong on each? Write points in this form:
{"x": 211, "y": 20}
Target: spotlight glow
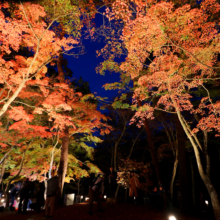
{"x": 206, "y": 202}
{"x": 105, "y": 197}
{"x": 2, "y": 200}
{"x": 172, "y": 217}
{"x": 87, "y": 198}
{"x": 81, "y": 197}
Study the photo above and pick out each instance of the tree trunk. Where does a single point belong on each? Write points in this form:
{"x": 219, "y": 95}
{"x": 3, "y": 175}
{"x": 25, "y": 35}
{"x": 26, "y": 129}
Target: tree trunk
{"x": 213, "y": 195}
{"x": 152, "y": 148}
{"x": 133, "y": 144}
{"x": 13, "y": 97}
{"x": 2, "y": 172}
{"x": 206, "y": 154}
{"x": 13, "y": 178}
{"x": 52, "y": 157}
{"x": 116, "y": 192}
{"x": 7, "y": 200}
{"x": 182, "y": 168}
{"x": 63, "y": 161}
{"x": 112, "y": 157}
{"x": 211, "y": 190}
{"x": 61, "y": 76}
{"x": 116, "y": 148}
{"x": 78, "y": 185}
{"x": 173, "y": 175}
{"x": 193, "y": 183}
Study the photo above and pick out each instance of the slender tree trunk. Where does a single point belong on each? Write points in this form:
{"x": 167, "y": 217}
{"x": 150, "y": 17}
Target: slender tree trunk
{"x": 14, "y": 177}
{"x": 7, "y": 200}
{"x": 61, "y": 76}
{"x": 211, "y": 190}
{"x": 5, "y": 156}
{"x": 193, "y": 183}
{"x": 173, "y": 175}
{"x": 172, "y": 140}
{"x": 205, "y": 149}
{"x": 116, "y": 192}
{"x": 115, "y": 158}
{"x": 2, "y": 172}
{"x": 152, "y": 148}
{"x": 182, "y": 168}
{"x": 78, "y": 185}
{"x": 112, "y": 157}
{"x": 116, "y": 148}
{"x": 196, "y": 145}
{"x": 134, "y": 142}
{"x": 52, "y": 157}
{"x": 13, "y": 97}
{"x": 63, "y": 161}
{"x": 206, "y": 154}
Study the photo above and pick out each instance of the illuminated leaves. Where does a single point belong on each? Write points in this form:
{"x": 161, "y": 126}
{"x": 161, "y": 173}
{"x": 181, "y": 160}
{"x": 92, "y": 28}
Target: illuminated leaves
{"x": 18, "y": 113}
{"x": 171, "y": 49}
{"x": 26, "y": 30}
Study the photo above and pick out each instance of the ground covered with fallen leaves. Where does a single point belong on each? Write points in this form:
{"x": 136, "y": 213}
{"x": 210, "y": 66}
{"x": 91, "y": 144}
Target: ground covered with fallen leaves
{"x": 117, "y": 211}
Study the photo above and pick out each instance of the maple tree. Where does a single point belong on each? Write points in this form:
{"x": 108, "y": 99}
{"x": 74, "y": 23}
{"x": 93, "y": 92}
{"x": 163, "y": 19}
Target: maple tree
{"x": 25, "y": 29}
{"x": 172, "y": 50}
{"x": 71, "y": 16}
{"x": 40, "y": 107}
{"x": 61, "y": 108}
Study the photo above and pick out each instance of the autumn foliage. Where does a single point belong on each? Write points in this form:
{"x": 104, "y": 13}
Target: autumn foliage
{"x": 36, "y": 109}
{"x": 172, "y": 59}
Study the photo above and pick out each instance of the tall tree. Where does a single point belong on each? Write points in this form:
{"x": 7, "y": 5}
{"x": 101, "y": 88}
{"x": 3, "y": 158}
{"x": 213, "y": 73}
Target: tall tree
{"x": 182, "y": 46}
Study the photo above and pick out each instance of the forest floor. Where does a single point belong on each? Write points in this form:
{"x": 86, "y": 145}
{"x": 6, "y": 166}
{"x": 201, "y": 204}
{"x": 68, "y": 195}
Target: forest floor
{"x": 118, "y": 211}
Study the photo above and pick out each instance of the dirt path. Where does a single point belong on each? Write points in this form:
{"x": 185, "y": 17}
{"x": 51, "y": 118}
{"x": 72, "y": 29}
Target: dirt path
{"x": 79, "y": 212}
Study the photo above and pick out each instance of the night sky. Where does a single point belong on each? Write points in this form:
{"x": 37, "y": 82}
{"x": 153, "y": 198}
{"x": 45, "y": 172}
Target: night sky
{"x": 85, "y": 65}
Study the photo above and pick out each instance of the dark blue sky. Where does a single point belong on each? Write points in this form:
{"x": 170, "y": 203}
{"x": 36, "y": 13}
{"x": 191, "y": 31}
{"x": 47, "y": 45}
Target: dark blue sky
{"x": 85, "y": 65}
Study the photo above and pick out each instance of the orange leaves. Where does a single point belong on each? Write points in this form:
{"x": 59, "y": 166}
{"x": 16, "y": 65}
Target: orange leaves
{"x": 38, "y": 111}
{"x": 26, "y": 29}
{"x": 171, "y": 50}
{"x": 30, "y": 8}
{"x": 31, "y": 131}
{"x": 61, "y": 121}
{"x": 18, "y": 113}
{"x": 56, "y": 101}
{"x": 210, "y": 6}
{"x": 3, "y": 145}
{"x": 22, "y": 61}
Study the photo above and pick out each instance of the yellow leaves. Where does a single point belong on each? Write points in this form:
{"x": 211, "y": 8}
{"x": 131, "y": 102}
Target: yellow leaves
{"x": 67, "y": 179}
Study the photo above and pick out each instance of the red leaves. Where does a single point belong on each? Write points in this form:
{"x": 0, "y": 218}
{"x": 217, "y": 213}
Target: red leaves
{"x": 3, "y": 145}
{"x": 26, "y": 29}
{"x": 31, "y": 131}
{"x": 18, "y": 113}
{"x": 184, "y": 44}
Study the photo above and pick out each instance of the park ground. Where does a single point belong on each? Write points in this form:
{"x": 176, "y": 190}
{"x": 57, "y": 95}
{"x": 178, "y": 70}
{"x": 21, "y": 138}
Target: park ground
{"x": 117, "y": 211}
